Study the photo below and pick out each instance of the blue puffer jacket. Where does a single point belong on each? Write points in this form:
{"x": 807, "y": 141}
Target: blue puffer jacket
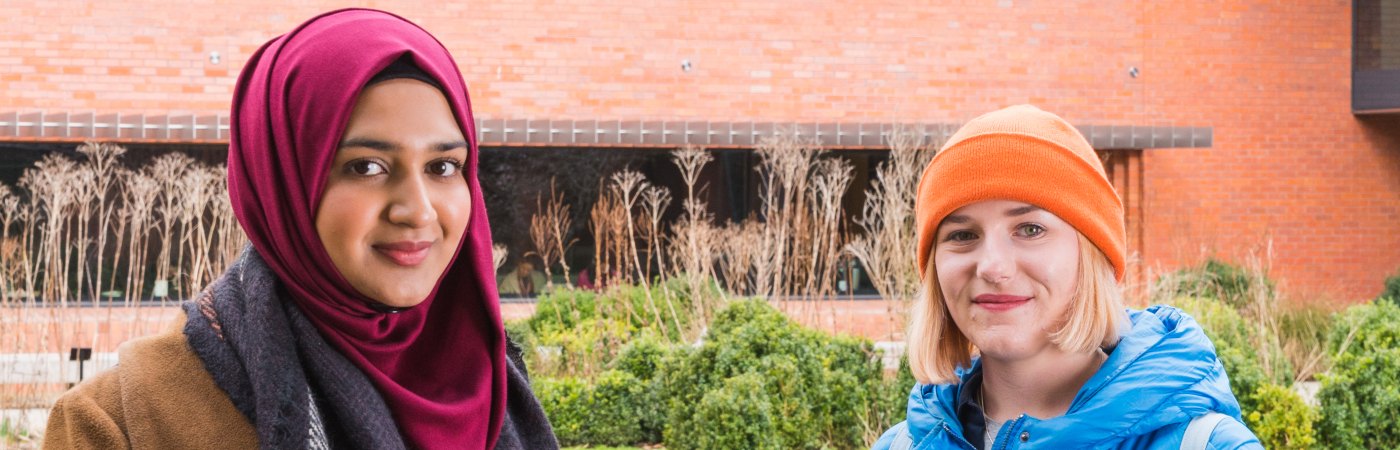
{"x": 1161, "y": 375}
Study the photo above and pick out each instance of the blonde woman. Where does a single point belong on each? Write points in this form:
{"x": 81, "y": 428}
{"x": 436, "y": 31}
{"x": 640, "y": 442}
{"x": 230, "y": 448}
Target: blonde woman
{"x": 1020, "y": 339}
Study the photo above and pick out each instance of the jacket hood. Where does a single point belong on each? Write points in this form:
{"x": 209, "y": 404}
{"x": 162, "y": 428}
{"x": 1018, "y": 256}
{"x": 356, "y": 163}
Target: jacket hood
{"x": 1164, "y": 371}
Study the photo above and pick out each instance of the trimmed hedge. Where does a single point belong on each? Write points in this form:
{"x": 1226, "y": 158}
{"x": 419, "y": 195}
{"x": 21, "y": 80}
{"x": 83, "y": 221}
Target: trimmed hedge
{"x": 820, "y": 386}
{"x": 642, "y": 358}
{"x": 737, "y": 414}
{"x": 1360, "y": 396}
{"x": 602, "y": 412}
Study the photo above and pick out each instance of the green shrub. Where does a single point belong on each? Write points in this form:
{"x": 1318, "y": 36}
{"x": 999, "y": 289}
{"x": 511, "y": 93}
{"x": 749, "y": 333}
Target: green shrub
{"x": 643, "y": 358}
{"x": 1282, "y": 420}
{"x": 895, "y": 397}
{"x": 738, "y": 414}
{"x": 563, "y": 309}
{"x": 519, "y": 332}
{"x": 820, "y": 386}
{"x": 570, "y": 308}
{"x": 601, "y": 413}
{"x": 582, "y": 350}
{"x": 1232, "y": 284}
{"x": 1303, "y": 329}
{"x": 565, "y": 403}
{"x": 1360, "y": 397}
{"x": 1363, "y": 329}
{"x": 1391, "y": 292}
{"x": 1241, "y": 350}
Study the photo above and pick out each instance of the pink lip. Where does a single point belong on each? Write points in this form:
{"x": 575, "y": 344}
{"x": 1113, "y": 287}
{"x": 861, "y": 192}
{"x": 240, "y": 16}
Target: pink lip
{"x": 998, "y": 302}
{"x": 405, "y": 253}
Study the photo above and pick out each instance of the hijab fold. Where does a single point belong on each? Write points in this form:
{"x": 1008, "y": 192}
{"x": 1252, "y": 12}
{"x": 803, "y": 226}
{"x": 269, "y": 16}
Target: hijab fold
{"x": 440, "y": 366}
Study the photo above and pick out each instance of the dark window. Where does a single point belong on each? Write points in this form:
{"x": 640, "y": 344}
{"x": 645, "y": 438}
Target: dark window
{"x": 1376, "y": 56}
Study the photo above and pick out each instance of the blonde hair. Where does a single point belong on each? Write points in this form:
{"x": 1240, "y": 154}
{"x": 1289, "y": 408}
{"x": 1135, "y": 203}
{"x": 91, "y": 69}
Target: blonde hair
{"x": 937, "y": 348}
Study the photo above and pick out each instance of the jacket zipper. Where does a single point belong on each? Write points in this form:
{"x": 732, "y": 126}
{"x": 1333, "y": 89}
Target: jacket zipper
{"x": 1006, "y": 439}
{"x": 958, "y": 437}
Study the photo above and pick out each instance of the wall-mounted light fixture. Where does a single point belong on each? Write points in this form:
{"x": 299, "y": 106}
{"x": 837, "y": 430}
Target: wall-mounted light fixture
{"x": 685, "y": 65}
{"x": 215, "y": 57}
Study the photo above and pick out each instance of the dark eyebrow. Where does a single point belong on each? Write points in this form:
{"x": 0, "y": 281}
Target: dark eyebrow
{"x": 1013, "y": 212}
{"x": 386, "y": 146}
{"x": 450, "y": 145}
{"x": 373, "y": 144}
{"x": 957, "y": 219}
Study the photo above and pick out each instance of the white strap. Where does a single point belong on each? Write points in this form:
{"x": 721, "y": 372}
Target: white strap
{"x": 902, "y": 439}
{"x": 1198, "y": 432}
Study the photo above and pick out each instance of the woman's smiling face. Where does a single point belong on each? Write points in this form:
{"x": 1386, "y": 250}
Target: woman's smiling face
{"x": 1007, "y": 271}
{"x": 396, "y": 204}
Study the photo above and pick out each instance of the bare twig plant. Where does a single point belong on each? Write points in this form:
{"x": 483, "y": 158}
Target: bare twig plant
{"x": 9, "y": 248}
{"x": 139, "y": 201}
{"x": 77, "y": 230}
{"x": 51, "y": 197}
{"x": 627, "y": 187}
{"x": 168, "y": 170}
{"x": 785, "y": 163}
{"x": 655, "y": 199}
{"x": 198, "y": 187}
{"x": 548, "y": 232}
{"x": 831, "y": 179}
{"x": 608, "y": 222}
{"x": 694, "y": 240}
{"x": 739, "y": 248}
{"x": 886, "y": 248}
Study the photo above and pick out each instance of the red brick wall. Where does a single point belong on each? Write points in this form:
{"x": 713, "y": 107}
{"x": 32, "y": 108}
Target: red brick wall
{"x": 1290, "y": 165}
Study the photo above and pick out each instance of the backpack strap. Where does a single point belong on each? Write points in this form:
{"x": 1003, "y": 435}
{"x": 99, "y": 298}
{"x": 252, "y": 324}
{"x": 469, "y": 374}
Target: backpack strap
{"x": 902, "y": 439}
{"x": 1198, "y": 432}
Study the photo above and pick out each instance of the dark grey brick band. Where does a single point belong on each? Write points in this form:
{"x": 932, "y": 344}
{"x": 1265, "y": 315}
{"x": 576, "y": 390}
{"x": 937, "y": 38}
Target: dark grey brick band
{"x": 19, "y": 126}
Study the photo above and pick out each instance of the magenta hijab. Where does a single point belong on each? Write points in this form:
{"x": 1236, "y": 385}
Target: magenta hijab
{"x": 440, "y": 366}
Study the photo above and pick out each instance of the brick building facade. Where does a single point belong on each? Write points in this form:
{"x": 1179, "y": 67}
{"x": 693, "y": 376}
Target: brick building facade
{"x": 1229, "y": 125}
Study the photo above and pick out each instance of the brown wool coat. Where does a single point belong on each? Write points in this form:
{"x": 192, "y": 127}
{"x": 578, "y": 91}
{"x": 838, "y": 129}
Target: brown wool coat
{"x": 158, "y": 396}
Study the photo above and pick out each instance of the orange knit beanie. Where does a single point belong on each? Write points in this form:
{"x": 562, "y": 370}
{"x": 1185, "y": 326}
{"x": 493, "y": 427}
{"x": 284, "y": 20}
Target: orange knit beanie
{"x": 1025, "y": 154}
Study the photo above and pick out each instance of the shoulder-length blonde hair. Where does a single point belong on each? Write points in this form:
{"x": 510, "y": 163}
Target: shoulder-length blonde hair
{"x": 937, "y": 347}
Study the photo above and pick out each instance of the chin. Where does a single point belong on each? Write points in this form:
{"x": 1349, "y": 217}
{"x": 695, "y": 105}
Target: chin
{"x": 401, "y": 300}
{"x": 1005, "y": 348}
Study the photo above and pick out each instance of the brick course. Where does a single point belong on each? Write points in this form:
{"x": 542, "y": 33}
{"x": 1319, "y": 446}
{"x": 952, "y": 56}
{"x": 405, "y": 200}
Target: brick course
{"x": 1290, "y": 167}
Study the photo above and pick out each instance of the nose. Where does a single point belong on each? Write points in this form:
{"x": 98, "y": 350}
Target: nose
{"x": 410, "y": 203}
{"x": 995, "y": 261}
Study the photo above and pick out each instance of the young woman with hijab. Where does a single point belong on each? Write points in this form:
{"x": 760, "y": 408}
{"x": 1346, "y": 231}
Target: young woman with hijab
{"x": 364, "y": 313}
{"x": 1020, "y": 338}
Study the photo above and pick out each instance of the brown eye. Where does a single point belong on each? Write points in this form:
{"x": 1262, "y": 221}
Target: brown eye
{"x": 444, "y": 167}
{"x": 365, "y": 167}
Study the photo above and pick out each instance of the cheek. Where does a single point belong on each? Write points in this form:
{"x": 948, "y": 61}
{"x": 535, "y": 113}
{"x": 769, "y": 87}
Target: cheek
{"x": 952, "y": 272}
{"x": 454, "y": 210}
{"x": 1059, "y": 270}
{"x": 344, "y": 218}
